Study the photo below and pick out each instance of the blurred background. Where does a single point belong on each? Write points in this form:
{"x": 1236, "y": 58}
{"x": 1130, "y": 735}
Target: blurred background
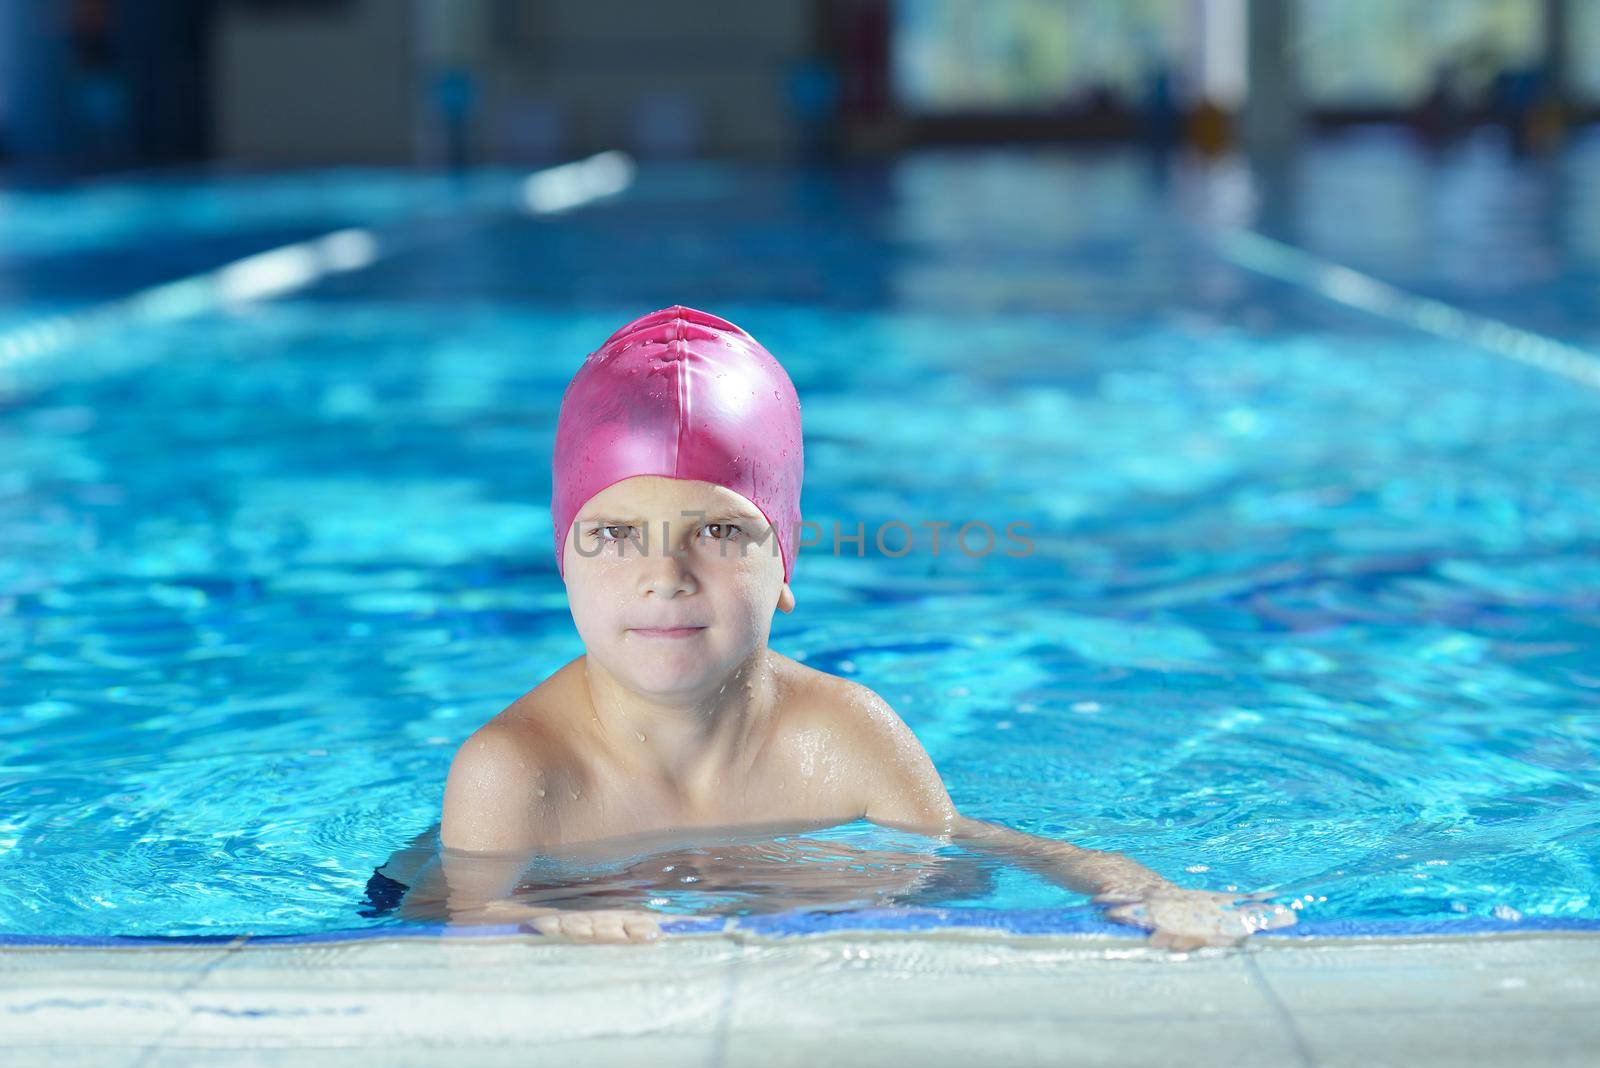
{"x": 94, "y": 85}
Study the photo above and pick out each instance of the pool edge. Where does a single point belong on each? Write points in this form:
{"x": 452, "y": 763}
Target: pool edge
{"x": 1071, "y": 924}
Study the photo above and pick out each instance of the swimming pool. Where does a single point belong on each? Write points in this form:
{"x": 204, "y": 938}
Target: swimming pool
{"x": 1311, "y": 602}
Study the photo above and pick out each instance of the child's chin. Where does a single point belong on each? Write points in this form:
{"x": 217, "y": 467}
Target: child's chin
{"x": 669, "y": 675}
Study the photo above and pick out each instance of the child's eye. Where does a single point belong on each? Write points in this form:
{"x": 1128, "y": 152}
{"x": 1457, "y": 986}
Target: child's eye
{"x": 723, "y": 531}
{"x": 607, "y": 532}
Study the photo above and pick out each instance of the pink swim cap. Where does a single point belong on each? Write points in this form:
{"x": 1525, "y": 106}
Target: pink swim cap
{"x": 683, "y": 394}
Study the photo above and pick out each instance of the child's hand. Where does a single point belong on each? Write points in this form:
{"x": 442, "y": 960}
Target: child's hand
{"x": 598, "y": 925}
{"x": 579, "y": 925}
{"x": 1186, "y": 919}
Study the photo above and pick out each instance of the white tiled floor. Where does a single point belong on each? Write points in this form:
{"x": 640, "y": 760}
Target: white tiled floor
{"x": 1515, "y": 1000}
{"x": 838, "y": 1000}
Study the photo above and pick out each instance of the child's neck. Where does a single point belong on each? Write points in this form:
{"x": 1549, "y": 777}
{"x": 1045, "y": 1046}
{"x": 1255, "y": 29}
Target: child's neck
{"x": 687, "y": 736}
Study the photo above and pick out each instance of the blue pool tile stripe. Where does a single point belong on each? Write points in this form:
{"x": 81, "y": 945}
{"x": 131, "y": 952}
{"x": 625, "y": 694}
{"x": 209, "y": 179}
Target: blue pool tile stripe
{"x": 1012, "y": 921}
{"x": 803, "y": 922}
{"x": 1466, "y": 925}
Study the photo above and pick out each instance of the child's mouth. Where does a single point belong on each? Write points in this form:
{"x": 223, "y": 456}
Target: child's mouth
{"x": 666, "y": 632}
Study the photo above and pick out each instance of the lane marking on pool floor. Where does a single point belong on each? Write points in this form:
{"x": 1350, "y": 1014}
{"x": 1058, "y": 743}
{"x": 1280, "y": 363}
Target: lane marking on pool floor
{"x": 288, "y": 269}
{"x": 1347, "y": 286}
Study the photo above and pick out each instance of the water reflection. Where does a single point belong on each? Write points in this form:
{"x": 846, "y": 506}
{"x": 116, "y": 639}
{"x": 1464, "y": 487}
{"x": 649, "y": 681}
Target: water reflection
{"x": 701, "y": 873}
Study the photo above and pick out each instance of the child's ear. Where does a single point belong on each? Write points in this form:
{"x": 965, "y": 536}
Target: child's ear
{"x": 786, "y": 599}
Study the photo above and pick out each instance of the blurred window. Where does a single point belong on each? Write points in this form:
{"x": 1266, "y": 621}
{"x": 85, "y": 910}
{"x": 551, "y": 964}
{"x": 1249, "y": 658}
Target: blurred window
{"x": 1393, "y": 53}
{"x": 1583, "y": 49}
{"x": 1030, "y": 55}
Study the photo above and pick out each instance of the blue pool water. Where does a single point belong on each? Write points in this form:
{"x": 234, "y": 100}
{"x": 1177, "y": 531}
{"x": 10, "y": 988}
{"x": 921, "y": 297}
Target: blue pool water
{"x": 1312, "y": 605}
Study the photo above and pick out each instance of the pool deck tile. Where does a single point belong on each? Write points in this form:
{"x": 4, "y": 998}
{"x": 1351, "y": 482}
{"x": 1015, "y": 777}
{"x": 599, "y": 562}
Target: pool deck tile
{"x": 842, "y": 998}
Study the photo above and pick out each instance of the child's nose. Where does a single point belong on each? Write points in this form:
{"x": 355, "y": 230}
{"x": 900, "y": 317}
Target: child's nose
{"x": 665, "y": 574}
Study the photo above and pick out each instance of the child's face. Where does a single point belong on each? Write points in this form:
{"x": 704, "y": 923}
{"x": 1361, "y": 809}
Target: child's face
{"x": 622, "y": 581}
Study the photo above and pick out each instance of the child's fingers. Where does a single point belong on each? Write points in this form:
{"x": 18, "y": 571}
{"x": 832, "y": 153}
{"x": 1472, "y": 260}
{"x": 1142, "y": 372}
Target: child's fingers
{"x": 1223, "y": 897}
{"x": 545, "y": 925}
{"x": 608, "y": 928}
{"x": 1186, "y": 940}
{"x": 1136, "y": 913}
{"x": 628, "y": 925}
{"x": 642, "y": 928}
{"x": 1276, "y": 916}
{"x": 605, "y": 925}
{"x": 1259, "y": 895}
{"x": 1176, "y": 941}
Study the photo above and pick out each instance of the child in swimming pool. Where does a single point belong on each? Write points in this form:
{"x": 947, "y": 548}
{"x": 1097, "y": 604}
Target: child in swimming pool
{"x": 677, "y": 472}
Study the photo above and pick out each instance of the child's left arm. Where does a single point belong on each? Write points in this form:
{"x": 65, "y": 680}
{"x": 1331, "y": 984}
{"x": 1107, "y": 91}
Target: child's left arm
{"x": 903, "y": 790}
{"x": 1177, "y": 918}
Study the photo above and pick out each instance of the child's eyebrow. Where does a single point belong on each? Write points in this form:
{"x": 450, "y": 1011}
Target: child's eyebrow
{"x": 605, "y": 518}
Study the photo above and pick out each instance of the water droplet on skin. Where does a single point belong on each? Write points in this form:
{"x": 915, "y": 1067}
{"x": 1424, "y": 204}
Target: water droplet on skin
{"x": 639, "y": 735}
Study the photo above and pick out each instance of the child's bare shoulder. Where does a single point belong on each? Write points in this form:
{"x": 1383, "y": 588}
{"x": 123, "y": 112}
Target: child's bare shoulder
{"x": 816, "y": 702}
{"x": 866, "y": 743}
{"x": 523, "y": 753}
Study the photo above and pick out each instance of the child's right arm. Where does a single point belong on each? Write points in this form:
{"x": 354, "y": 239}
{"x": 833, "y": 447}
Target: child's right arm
{"x": 488, "y": 833}
{"x": 483, "y": 834}
{"x": 489, "y": 797}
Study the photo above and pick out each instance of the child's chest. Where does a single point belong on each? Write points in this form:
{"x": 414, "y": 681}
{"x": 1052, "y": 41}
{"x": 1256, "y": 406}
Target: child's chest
{"x": 788, "y": 784}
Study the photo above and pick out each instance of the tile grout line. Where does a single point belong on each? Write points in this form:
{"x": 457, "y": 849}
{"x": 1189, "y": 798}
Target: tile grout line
{"x": 719, "y": 1036}
{"x": 1302, "y": 1048}
{"x": 157, "y": 1043}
